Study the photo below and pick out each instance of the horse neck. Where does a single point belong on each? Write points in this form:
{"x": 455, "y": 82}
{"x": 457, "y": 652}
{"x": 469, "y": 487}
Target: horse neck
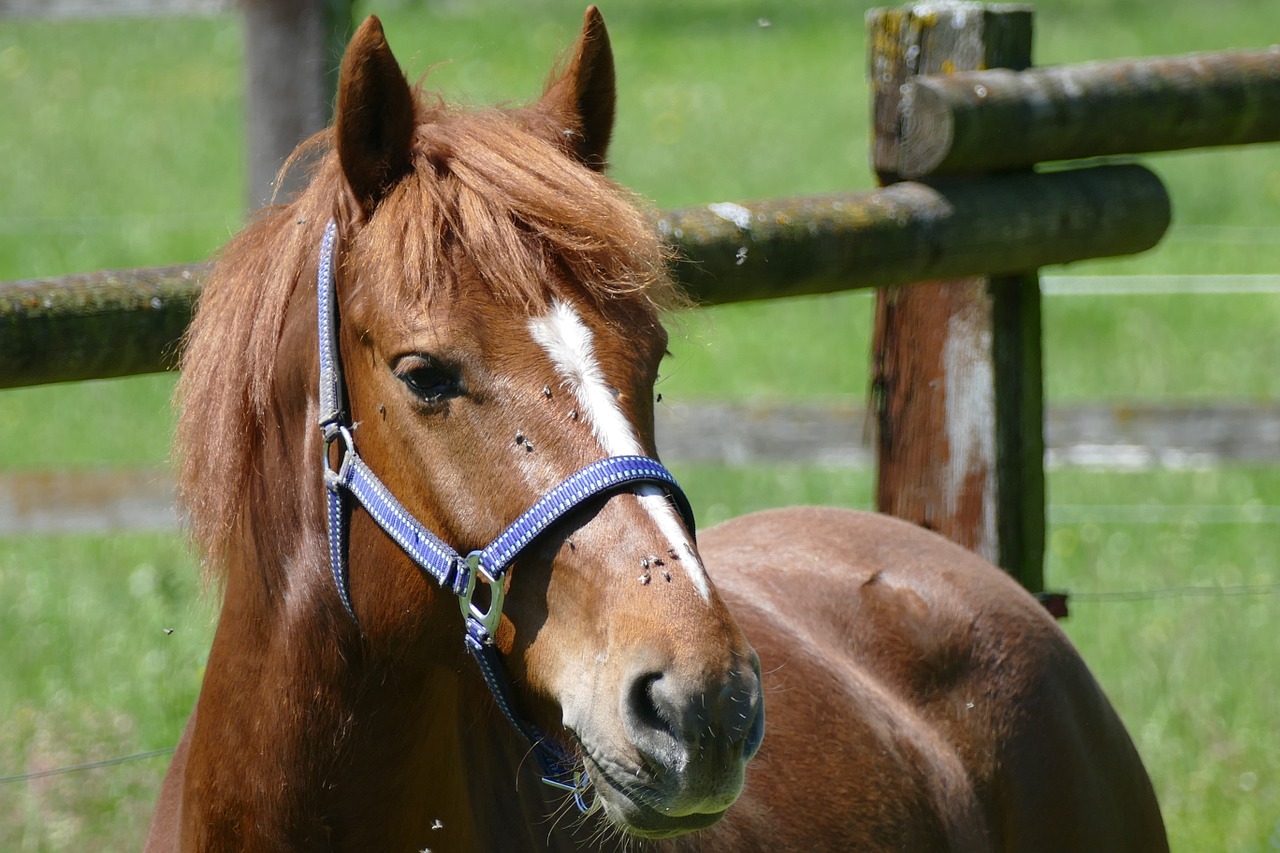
{"x": 306, "y": 727}
{"x": 303, "y": 722}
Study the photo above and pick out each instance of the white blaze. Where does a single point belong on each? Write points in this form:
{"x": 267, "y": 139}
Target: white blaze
{"x": 567, "y": 341}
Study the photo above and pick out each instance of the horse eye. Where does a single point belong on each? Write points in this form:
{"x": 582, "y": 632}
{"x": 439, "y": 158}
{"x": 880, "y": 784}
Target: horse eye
{"x": 428, "y": 379}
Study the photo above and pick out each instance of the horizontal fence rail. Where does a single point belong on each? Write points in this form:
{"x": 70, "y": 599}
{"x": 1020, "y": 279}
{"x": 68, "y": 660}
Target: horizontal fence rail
{"x": 96, "y": 325}
{"x": 121, "y": 323}
{"x": 911, "y": 232}
{"x": 984, "y": 121}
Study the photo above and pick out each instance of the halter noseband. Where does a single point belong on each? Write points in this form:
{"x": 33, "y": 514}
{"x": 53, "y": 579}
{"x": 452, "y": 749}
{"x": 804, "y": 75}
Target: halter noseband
{"x": 354, "y": 479}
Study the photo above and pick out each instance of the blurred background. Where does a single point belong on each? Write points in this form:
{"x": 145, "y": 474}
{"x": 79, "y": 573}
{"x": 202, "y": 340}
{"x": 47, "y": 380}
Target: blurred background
{"x": 123, "y": 146}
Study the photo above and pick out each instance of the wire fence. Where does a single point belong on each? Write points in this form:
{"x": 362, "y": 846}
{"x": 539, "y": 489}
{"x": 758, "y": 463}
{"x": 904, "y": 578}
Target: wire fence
{"x": 1150, "y": 514}
{"x": 1051, "y": 600}
{"x": 1188, "y": 591}
{"x": 1159, "y": 285}
{"x": 1056, "y": 286}
{"x": 110, "y": 8}
{"x": 88, "y": 765}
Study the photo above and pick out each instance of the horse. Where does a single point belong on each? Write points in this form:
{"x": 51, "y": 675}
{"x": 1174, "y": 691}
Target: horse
{"x": 457, "y": 323}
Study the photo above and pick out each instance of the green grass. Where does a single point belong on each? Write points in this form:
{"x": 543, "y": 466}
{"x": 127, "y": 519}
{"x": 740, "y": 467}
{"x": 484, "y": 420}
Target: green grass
{"x": 105, "y": 639}
{"x": 96, "y": 675}
{"x": 46, "y": 425}
{"x": 128, "y": 153}
{"x": 1191, "y": 675}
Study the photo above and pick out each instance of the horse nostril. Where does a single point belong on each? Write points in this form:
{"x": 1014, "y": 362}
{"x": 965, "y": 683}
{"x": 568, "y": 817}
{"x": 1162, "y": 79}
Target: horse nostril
{"x": 641, "y": 703}
{"x": 669, "y": 718}
{"x": 654, "y": 721}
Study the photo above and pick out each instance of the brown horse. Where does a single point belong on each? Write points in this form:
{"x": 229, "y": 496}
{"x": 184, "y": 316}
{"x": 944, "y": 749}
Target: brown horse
{"x": 499, "y": 302}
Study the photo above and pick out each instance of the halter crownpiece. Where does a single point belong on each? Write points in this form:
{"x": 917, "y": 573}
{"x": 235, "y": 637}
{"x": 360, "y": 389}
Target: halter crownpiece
{"x": 352, "y": 478}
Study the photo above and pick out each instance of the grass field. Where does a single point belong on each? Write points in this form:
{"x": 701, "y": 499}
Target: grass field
{"x": 127, "y": 153}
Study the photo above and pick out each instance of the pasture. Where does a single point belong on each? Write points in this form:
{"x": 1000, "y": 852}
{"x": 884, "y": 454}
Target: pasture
{"x": 128, "y": 153}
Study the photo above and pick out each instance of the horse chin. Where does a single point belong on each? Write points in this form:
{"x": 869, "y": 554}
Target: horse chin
{"x": 648, "y": 810}
{"x": 665, "y": 827}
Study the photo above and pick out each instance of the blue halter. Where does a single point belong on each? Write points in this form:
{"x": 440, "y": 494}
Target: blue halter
{"x": 461, "y": 575}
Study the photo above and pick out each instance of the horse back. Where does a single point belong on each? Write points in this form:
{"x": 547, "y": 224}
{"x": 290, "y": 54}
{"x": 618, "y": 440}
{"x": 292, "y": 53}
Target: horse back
{"x": 920, "y": 694}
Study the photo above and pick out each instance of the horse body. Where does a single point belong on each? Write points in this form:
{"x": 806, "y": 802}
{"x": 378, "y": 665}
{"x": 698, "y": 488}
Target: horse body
{"x": 918, "y": 699}
{"x": 499, "y": 302}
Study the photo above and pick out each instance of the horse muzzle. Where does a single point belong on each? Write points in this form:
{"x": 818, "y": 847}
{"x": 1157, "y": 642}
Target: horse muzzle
{"x": 689, "y": 743}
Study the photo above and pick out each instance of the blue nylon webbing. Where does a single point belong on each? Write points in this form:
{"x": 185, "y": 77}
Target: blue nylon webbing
{"x": 607, "y": 475}
{"x": 422, "y": 546}
{"x": 331, "y": 406}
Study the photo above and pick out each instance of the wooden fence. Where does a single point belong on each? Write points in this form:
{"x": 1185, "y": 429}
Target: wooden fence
{"x": 960, "y": 119}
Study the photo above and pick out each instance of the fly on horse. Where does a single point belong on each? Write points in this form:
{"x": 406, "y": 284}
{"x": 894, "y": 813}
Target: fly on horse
{"x": 446, "y": 345}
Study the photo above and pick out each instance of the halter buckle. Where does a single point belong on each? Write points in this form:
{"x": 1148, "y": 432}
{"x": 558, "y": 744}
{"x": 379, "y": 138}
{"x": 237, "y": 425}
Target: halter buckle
{"x": 487, "y": 619}
{"x": 332, "y": 433}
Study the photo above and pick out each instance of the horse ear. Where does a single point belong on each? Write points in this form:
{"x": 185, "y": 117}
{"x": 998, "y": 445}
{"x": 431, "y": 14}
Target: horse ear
{"x": 374, "y": 123}
{"x": 582, "y": 98}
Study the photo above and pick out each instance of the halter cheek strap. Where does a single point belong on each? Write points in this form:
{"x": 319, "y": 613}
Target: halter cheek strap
{"x": 352, "y": 479}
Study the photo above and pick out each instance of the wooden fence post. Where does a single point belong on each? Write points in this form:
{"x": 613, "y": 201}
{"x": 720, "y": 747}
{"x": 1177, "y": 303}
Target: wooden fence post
{"x": 957, "y": 368}
{"x": 292, "y": 52}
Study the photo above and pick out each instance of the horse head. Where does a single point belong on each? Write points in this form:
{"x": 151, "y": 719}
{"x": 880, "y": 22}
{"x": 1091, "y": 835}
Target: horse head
{"x": 500, "y": 329}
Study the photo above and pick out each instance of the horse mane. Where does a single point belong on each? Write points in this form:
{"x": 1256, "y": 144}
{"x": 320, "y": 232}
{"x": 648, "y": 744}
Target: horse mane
{"x": 494, "y": 183}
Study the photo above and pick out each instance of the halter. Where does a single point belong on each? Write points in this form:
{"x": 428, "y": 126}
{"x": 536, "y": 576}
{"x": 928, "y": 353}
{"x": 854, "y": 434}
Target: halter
{"x": 353, "y": 479}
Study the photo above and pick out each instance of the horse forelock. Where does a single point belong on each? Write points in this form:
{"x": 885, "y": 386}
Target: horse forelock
{"x": 494, "y": 184}
{"x": 497, "y": 185}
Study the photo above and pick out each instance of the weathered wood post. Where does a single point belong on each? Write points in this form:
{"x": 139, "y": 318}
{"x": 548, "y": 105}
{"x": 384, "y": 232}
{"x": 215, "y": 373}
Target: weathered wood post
{"x": 957, "y": 368}
{"x": 292, "y": 52}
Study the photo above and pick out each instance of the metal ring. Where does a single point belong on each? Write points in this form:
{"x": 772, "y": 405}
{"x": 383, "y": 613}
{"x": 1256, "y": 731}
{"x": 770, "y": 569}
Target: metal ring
{"x": 332, "y": 432}
{"x": 497, "y": 593}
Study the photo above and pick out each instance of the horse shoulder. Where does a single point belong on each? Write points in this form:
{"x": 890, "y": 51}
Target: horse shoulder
{"x": 880, "y": 630}
{"x": 839, "y": 734}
